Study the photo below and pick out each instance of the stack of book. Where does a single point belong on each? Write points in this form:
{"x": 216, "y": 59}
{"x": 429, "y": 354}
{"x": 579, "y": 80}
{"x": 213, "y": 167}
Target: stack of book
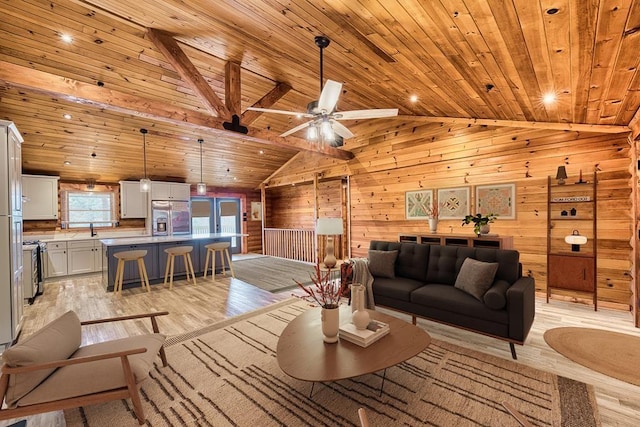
{"x": 364, "y": 337}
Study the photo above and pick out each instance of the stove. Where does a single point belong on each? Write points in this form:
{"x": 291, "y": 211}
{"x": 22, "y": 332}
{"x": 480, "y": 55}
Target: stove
{"x": 41, "y": 260}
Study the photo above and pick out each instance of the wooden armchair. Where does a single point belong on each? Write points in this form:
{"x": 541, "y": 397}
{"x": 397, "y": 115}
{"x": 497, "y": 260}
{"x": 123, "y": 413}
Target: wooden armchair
{"x": 50, "y": 371}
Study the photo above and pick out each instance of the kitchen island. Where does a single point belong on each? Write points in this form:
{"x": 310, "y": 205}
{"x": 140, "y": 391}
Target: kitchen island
{"x": 156, "y": 258}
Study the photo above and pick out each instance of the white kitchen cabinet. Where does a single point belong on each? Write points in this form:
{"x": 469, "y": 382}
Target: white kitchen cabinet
{"x": 133, "y": 202}
{"x": 40, "y": 197}
{"x": 84, "y": 256}
{"x": 170, "y": 191}
{"x": 80, "y": 257}
{"x": 57, "y": 259}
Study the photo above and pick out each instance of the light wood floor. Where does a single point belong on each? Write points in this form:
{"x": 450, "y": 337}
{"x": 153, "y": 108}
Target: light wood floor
{"x": 192, "y": 307}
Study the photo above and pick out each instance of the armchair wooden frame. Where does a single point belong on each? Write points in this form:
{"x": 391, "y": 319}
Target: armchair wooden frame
{"x": 130, "y": 391}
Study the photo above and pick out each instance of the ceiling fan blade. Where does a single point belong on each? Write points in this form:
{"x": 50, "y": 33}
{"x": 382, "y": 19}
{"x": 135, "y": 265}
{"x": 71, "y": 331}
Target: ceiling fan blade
{"x": 341, "y": 130}
{"x": 296, "y": 129}
{"x": 329, "y": 96}
{"x": 288, "y": 113}
{"x": 365, "y": 114}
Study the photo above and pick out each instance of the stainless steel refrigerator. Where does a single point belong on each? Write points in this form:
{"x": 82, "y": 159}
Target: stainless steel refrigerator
{"x": 11, "y": 269}
{"x": 171, "y": 217}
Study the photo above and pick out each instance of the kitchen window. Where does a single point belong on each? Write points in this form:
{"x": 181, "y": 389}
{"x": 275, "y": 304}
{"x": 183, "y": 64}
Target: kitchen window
{"x": 82, "y": 208}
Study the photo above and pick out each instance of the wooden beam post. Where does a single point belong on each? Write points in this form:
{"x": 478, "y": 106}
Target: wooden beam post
{"x": 104, "y": 98}
{"x": 232, "y": 88}
{"x": 266, "y": 101}
{"x": 166, "y": 44}
{"x": 634, "y": 125}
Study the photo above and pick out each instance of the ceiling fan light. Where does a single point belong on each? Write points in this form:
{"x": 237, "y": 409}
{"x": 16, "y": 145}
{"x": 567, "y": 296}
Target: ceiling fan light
{"x": 327, "y": 131}
{"x": 201, "y": 188}
{"x": 312, "y": 132}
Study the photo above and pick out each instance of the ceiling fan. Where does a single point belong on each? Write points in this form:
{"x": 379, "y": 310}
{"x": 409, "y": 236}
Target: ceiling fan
{"x": 324, "y": 121}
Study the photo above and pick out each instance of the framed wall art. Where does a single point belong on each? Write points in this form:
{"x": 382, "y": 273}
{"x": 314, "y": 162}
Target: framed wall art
{"x": 418, "y": 204}
{"x": 453, "y": 202}
{"x": 256, "y": 211}
{"x": 498, "y": 199}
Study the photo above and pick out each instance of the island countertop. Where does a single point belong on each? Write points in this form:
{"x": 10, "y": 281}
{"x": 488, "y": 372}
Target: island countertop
{"x": 162, "y": 239}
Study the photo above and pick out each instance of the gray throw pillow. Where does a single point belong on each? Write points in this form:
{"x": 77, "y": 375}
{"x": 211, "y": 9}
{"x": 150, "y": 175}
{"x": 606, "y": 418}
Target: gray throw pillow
{"x": 382, "y": 263}
{"x": 476, "y": 277}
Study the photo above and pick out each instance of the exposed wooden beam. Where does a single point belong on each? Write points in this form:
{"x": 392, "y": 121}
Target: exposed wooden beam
{"x": 102, "y": 97}
{"x": 634, "y": 125}
{"x": 189, "y": 73}
{"x": 266, "y": 101}
{"x": 581, "y": 127}
{"x": 232, "y": 88}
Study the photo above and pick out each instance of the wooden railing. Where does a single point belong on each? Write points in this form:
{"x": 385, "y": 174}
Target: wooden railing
{"x": 299, "y": 245}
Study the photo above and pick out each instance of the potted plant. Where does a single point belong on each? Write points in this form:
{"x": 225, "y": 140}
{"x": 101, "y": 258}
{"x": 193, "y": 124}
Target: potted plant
{"x": 480, "y": 222}
{"x": 326, "y": 293}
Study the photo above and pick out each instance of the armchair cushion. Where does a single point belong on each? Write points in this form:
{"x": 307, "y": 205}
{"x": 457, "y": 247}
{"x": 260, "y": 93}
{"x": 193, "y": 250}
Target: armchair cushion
{"x": 57, "y": 340}
{"x": 101, "y": 375}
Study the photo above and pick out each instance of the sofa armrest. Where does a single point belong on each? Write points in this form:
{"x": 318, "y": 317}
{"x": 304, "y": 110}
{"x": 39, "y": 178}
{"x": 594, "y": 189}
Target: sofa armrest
{"x": 521, "y": 306}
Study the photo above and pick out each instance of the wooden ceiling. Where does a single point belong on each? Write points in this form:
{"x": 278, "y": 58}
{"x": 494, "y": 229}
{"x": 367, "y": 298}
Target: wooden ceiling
{"x": 465, "y": 59}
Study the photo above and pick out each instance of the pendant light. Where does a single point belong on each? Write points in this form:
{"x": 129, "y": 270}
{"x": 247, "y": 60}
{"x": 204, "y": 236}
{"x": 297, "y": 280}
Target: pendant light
{"x": 145, "y": 183}
{"x": 201, "y": 187}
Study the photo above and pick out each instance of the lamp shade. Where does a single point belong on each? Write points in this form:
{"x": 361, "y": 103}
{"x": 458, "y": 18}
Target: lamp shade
{"x": 329, "y": 226}
{"x": 573, "y": 239}
{"x": 562, "y": 173}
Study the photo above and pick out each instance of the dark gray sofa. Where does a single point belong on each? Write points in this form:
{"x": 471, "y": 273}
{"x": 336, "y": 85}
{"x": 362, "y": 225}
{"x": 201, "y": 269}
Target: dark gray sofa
{"x": 424, "y": 286}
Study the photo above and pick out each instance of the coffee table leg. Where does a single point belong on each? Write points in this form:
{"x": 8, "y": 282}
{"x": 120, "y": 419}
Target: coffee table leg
{"x": 311, "y": 392}
{"x": 384, "y": 375}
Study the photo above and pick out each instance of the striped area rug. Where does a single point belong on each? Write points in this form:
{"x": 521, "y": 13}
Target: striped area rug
{"x": 227, "y": 375}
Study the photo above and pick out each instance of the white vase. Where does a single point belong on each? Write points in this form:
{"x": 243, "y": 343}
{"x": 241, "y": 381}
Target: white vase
{"x": 360, "y": 317}
{"x": 330, "y": 324}
{"x": 433, "y": 224}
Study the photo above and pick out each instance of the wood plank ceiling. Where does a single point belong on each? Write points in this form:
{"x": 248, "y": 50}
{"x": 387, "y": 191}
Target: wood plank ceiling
{"x": 465, "y": 59}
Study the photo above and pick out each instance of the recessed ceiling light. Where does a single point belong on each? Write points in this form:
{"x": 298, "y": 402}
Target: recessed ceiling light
{"x": 413, "y": 98}
{"x": 549, "y": 98}
{"x": 67, "y": 162}
{"x": 67, "y": 116}
{"x": 66, "y": 38}
{"x": 261, "y": 152}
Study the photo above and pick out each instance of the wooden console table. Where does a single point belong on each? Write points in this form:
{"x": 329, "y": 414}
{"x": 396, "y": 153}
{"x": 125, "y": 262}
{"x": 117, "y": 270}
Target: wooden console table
{"x": 498, "y": 242}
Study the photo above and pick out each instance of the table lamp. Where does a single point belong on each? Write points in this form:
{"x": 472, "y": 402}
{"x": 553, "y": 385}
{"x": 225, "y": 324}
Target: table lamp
{"x": 575, "y": 240}
{"x": 329, "y": 227}
{"x": 561, "y": 175}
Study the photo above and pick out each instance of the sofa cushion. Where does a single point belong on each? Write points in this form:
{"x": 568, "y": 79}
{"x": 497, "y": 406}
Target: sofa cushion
{"x": 451, "y": 299}
{"x": 508, "y": 260}
{"x": 412, "y": 261}
{"x": 399, "y": 288}
{"x": 476, "y": 277}
{"x": 445, "y": 262}
{"x": 57, "y": 340}
{"x": 92, "y": 377}
{"x": 496, "y": 297}
{"x": 382, "y": 263}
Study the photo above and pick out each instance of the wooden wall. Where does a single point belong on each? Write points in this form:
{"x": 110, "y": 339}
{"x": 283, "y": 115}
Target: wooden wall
{"x": 297, "y": 207}
{"x": 390, "y": 162}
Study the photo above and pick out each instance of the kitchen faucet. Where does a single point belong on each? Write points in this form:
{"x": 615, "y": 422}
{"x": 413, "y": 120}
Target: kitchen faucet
{"x": 93, "y": 233}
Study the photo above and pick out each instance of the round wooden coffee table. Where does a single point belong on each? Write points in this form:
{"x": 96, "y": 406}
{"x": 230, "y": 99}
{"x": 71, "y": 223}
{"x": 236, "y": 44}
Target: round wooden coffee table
{"x": 302, "y": 354}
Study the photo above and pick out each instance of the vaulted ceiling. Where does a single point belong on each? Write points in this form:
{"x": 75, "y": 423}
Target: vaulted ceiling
{"x": 173, "y": 66}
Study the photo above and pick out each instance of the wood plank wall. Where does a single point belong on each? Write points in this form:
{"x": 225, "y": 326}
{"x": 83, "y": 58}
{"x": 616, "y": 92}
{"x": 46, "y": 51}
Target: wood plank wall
{"x": 389, "y": 163}
{"x": 293, "y": 206}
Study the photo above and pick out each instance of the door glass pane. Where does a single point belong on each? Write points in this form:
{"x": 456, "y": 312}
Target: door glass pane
{"x": 229, "y": 214}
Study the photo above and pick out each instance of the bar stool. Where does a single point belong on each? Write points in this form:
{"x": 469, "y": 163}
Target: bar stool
{"x": 212, "y": 249}
{"x": 142, "y": 270}
{"x": 185, "y": 251}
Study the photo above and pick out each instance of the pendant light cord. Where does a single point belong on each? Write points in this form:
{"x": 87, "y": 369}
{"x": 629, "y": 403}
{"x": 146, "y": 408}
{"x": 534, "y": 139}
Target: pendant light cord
{"x": 144, "y": 150}
{"x": 200, "y": 141}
